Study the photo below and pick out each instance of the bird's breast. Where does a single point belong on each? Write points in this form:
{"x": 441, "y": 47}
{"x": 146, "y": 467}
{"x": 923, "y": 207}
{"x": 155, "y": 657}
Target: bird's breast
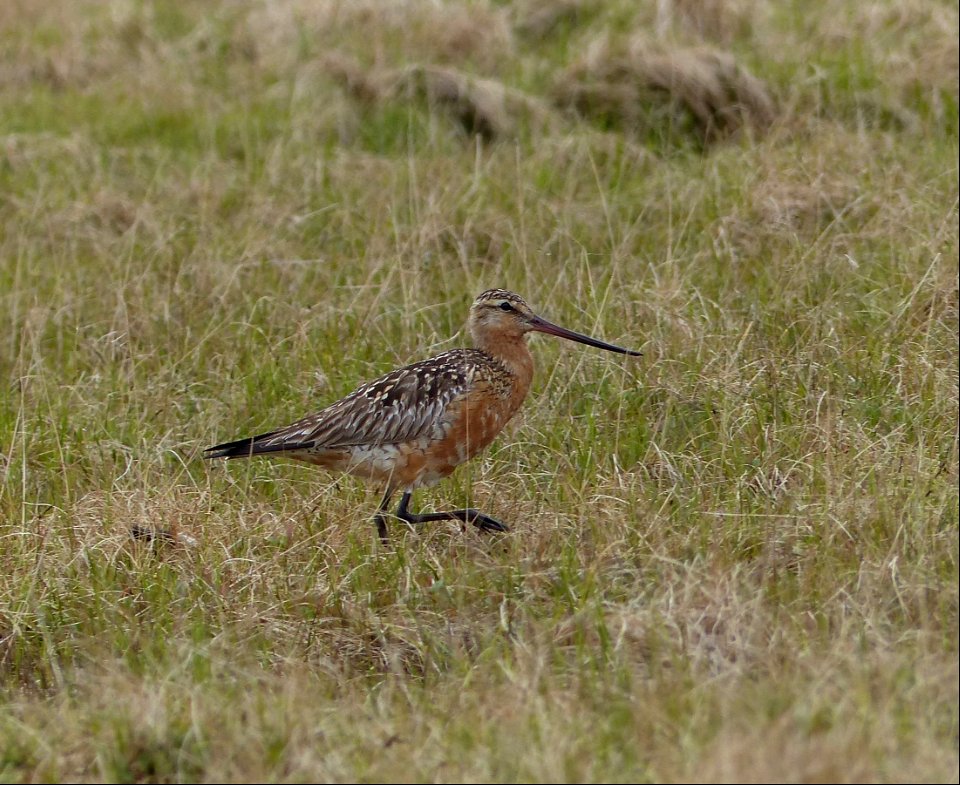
{"x": 471, "y": 424}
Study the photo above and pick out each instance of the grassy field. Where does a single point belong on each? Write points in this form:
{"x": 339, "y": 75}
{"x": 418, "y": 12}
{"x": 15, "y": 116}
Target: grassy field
{"x": 735, "y": 558}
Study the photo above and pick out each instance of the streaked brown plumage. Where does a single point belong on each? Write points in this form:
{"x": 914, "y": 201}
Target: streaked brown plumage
{"x": 413, "y": 426}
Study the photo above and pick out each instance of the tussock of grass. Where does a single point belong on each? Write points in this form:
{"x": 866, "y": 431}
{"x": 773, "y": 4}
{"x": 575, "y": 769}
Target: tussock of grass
{"x": 732, "y": 559}
{"x": 483, "y": 107}
{"x": 654, "y": 92}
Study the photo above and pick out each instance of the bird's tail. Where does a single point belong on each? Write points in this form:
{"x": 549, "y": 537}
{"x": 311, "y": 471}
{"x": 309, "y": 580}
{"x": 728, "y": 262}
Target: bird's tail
{"x": 244, "y": 448}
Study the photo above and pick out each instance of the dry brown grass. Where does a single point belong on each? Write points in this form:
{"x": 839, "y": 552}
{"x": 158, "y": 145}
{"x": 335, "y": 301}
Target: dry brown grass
{"x": 480, "y": 106}
{"x": 387, "y": 34}
{"x": 641, "y": 86}
{"x": 735, "y": 559}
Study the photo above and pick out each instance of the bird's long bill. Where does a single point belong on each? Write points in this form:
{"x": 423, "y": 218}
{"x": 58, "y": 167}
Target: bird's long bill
{"x": 543, "y": 326}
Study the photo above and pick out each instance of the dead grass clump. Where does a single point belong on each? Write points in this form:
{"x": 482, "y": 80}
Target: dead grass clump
{"x": 483, "y": 107}
{"x": 644, "y": 87}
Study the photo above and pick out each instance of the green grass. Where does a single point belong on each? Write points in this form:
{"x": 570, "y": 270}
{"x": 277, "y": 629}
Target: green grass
{"x": 732, "y": 559}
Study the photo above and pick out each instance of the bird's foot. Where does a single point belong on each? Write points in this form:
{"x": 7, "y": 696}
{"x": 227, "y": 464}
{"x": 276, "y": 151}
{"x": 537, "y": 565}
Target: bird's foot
{"x": 483, "y": 522}
{"x": 474, "y": 517}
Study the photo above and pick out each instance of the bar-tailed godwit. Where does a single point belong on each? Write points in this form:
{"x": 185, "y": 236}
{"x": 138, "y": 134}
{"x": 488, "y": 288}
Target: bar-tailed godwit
{"x": 413, "y": 426}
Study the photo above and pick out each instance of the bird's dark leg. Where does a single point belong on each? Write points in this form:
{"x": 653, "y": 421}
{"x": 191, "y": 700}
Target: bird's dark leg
{"x": 483, "y": 522}
{"x": 379, "y": 519}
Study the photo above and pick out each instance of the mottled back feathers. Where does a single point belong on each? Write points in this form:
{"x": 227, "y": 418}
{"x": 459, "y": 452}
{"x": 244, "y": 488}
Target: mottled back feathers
{"x": 400, "y": 406}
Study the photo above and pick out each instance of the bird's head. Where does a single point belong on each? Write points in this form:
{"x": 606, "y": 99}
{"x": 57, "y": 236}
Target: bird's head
{"x": 499, "y": 316}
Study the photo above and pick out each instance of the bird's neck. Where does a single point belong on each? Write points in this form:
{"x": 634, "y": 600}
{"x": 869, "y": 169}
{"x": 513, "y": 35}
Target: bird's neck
{"x": 514, "y": 354}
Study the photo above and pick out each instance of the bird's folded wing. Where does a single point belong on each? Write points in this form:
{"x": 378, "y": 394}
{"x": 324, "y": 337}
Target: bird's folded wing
{"x": 401, "y": 406}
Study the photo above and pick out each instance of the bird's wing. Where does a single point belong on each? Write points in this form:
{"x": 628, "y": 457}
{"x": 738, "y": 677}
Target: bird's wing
{"x": 400, "y": 406}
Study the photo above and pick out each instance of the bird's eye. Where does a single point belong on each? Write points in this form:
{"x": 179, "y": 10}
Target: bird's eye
{"x": 505, "y": 306}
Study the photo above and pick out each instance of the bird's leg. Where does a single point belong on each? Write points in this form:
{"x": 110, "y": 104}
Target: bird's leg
{"x": 379, "y": 519}
{"x": 483, "y": 522}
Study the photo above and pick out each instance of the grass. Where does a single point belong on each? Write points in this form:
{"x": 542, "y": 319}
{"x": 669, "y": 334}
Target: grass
{"x": 733, "y": 559}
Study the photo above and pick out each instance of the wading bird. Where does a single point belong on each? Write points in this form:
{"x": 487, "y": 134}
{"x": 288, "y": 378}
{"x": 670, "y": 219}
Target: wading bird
{"x": 415, "y": 425}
